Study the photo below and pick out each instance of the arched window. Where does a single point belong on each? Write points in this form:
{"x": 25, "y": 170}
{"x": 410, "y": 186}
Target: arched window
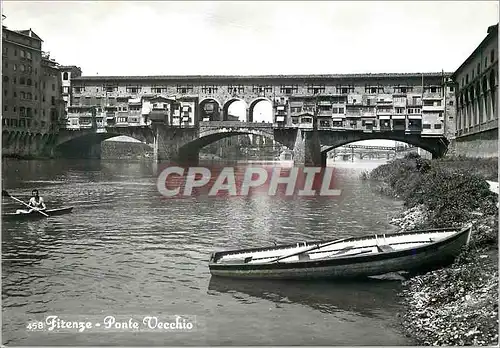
{"x": 493, "y": 90}
{"x": 492, "y": 81}
{"x": 65, "y": 75}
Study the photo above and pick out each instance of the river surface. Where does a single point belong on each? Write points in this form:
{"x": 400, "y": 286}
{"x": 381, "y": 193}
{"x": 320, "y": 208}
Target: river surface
{"x": 128, "y": 253}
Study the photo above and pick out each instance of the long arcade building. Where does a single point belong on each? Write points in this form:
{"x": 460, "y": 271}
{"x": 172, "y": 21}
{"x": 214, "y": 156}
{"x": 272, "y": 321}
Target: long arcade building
{"x": 477, "y": 99}
{"x": 420, "y": 103}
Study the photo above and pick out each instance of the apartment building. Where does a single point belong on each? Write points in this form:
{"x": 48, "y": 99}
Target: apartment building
{"x": 31, "y": 99}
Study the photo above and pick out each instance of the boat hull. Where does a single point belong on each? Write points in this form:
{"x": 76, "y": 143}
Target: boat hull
{"x": 36, "y": 215}
{"x": 414, "y": 260}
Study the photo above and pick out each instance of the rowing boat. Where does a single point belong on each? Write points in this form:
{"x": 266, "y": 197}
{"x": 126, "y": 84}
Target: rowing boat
{"x": 36, "y": 215}
{"x": 355, "y": 257}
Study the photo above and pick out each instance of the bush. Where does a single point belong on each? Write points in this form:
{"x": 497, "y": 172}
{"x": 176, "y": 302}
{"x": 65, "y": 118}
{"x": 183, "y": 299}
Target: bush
{"x": 364, "y": 175}
{"x": 412, "y": 155}
{"x": 450, "y": 193}
{"x": 451, "y": 198}
{"x": 486, "y": 167}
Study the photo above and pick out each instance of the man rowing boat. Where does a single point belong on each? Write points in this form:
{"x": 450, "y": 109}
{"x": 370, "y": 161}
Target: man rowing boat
{"x": 36, "y": 202}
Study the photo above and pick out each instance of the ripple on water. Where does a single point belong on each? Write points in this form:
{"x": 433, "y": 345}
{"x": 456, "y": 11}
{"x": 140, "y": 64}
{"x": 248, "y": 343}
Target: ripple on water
{"x": 125, "y": 250}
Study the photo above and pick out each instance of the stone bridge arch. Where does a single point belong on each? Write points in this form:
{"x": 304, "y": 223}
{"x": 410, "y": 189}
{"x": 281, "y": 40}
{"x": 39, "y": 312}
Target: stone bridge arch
{"x": 191, "y": 149}
{"x": 25, "y": 143}
{"x": 7, "y": 138}
{"x": 437, "y": 146}
{"x": 86, "y": 143}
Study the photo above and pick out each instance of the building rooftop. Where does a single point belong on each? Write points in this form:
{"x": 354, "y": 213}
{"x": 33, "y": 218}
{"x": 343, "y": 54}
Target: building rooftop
{"x": 492, "y": 32}
{"x": 493, "y": 28}
{"x": 28, "y": 32}
{"x": 70, "y": 67}
{"x": 257, "y": 77}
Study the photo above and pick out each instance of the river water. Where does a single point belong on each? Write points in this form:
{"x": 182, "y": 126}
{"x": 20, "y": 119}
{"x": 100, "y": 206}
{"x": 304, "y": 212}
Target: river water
{"x": 126, "y": 252}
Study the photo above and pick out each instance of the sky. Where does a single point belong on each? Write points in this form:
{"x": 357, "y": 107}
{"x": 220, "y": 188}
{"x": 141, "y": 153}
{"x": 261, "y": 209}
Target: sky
{"x": 254, "y": 38}
{"x": 244, "y": 38}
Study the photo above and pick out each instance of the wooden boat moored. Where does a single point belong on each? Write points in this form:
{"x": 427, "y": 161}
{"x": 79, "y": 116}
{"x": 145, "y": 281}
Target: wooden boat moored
{"x": 36, "y": 215}
{"x": 346, "y": 258}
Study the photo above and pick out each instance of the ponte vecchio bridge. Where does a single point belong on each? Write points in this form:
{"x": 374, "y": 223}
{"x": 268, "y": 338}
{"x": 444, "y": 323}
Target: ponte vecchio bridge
{"x": 311, "y": 115}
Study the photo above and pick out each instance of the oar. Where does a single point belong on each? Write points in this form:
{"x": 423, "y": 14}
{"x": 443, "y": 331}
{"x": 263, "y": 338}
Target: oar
{"x": 6, "y": 194}
{"x": 310, "y": 249}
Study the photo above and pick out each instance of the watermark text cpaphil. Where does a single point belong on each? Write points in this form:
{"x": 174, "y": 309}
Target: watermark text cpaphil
{"x": 177, "y": 181}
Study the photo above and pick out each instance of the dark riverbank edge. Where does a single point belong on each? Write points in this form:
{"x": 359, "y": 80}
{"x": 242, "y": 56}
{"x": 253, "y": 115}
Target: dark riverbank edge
{"x": 456, "y": 305}
{"x": 25, "y": 157}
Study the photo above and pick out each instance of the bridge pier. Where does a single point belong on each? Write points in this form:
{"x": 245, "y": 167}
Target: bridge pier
{"x": 307, "y": 149}
{"x": 169, "y": 144}
{"x": 324, "y": 158}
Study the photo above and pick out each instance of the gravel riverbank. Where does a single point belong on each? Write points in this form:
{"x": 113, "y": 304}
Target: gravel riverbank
{"x": 457, "y": 305}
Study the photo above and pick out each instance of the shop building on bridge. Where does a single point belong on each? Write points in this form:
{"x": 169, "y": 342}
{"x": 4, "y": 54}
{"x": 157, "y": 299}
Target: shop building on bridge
{"x": 477, "y": 100}
{"x": 416, "y": 103}
{"x": 68, "y": 72}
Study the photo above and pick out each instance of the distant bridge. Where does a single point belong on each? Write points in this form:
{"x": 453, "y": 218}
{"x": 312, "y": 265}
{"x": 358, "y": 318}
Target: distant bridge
{"x": 349, "y": 152}
{"x": 370, "y": 147}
